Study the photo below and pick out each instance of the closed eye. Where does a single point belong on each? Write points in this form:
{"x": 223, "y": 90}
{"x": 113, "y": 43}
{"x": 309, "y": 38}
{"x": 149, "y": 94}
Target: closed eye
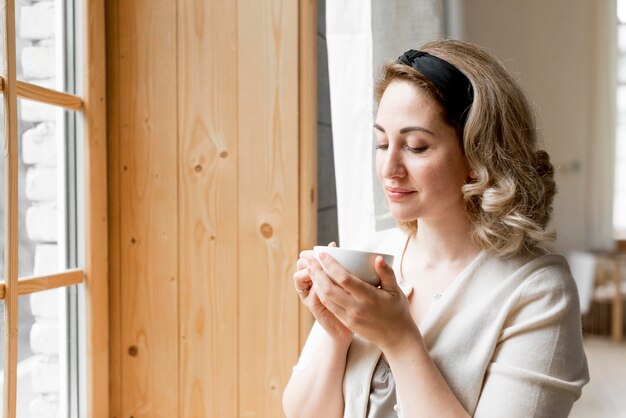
{"x": 417, "y": 150}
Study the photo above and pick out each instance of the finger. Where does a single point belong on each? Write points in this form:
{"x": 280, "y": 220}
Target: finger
{"x": 301, "y": 276}
{"x": 327, "y": 288}
{"x": 301, "y": 264}
{"x": 321, "y": 293}
{"x": 302, "y": 279}
{"x": 386, "y": 274}
{"x": 336, "y": 309}
{"x": 306, "y": 254}
{"x": 344, "y": 278}
{"x": 332, "y": 244}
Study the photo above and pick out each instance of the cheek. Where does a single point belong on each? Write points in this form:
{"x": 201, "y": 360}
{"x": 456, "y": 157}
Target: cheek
{"x": 440, "y": 177}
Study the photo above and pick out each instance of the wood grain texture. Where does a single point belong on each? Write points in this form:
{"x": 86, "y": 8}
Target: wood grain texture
{"x": 34, "y": 284}
{"x": 44, "y": 95}
{"x": 205, "y": 191}
{"x": 96, "y": 220}
{"x": 148, "y": 167}
{"x": 10, "y": 212}
{"x": 114, "y": 208}
{"x": 208, "y": 234}
{"x": 307, "y": 87}
{"x": 268, "y": 202}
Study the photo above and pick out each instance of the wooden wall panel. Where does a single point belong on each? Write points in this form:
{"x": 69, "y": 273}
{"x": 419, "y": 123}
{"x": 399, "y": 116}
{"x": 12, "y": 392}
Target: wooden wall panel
{"x": 144, "y": 90}
{"x": 208, "y": 196}
{"x": 96, "y": 219}
{"x": 308, "y": 140}
{"x": 268, "y": 202}
{"x": 114, "y": 208}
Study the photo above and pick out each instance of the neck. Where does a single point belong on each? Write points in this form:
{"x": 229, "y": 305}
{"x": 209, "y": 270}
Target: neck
{"x": 444, "y": 240}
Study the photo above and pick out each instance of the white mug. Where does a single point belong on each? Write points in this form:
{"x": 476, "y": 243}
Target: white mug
{"x": 358, "y": 263}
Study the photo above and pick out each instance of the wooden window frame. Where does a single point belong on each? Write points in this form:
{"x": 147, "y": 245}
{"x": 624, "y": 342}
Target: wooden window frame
{"x": 95, "y": 273}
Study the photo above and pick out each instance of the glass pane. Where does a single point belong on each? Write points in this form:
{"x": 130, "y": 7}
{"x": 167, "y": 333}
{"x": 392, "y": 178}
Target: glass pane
{"x": 2, "y": 61}
{"x": 41, "y": 188}
{"x": 621, "y": 38}
{"x": 40, "y": 43}
{"x": 621, "y": 67}
{"x": 621, "y": 11}
{"x": 42, "y": 358}
{"x": 619, "y": 204}
{"x": 2, "y": 188}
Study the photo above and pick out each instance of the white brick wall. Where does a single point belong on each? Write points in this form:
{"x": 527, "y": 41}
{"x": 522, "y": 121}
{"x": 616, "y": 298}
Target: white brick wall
{"x": 45, "y": 406}
{"x": 37, "y": 21}
{"x": 38, "y": 62}
{"x": 39, "y": 145}
{"x": 45, "y": 305}
{"x": 44, "y": 337}
{"x": 39, "y": 153}
{"x": 41, "y": 184}
{"x": 41, "y": 222}
{"x": 45, "y": 375}
{"x": 36, "y": 112}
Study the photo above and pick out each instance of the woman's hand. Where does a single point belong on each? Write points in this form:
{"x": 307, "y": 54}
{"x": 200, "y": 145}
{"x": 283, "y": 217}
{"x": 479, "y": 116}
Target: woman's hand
{"x": 308, "y": 294}
{"x": 380, "y": 315}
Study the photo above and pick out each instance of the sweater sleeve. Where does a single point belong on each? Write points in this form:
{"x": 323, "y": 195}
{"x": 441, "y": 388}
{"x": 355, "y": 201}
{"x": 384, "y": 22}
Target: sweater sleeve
{"x": 538, "y": 367}
{"x": 310, "y": 346}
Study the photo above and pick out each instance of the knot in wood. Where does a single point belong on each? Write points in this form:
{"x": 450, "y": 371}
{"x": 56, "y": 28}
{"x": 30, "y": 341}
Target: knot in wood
{"x": 266, "y": 230}
{"x": 133, "y": 350}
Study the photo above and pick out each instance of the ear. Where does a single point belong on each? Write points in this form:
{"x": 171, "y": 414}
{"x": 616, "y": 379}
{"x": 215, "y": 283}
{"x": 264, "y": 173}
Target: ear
{"x": 472, "y": 174}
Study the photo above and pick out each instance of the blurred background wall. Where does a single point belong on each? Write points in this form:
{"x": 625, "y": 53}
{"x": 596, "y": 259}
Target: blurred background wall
{"x": 561, "y": 52}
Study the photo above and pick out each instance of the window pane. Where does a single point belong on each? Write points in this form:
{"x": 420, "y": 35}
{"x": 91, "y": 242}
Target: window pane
{"x": 2, "y": 188}
{"x": 619, "y": 205}
{"x": 621, "y": 38}
{"x": 621, "y": 11}
{"x": 41, "y": 188}
{"x": 2, "y": 61}
{"x": 42, "y": 357}
{"x": 40, "y": 43}
{"x": 621, "y": 67}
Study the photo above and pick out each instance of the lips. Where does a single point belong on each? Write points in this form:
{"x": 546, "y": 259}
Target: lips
{"x": 398, "y": 190}
{"x": 396, "y": 193}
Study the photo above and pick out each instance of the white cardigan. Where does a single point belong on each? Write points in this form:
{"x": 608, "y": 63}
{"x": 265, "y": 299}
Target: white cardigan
{"x": 506, "y": 336}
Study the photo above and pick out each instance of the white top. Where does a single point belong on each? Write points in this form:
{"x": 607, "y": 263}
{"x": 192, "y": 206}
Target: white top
{"x": 506, "y": 336}
{"x": 382, "y": 397}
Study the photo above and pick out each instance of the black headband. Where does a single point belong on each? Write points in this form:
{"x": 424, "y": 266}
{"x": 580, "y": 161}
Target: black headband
{"x": 453, "y": 85}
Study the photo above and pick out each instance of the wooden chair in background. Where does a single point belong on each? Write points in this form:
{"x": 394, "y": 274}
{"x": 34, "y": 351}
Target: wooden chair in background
{"x": 602, "y": 290}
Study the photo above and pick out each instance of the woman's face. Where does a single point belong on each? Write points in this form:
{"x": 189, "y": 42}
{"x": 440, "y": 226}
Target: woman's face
{"x": 418, "y": 159}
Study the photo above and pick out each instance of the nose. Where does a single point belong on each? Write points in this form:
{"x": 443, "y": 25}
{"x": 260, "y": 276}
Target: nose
{"x": 392, "y": 164}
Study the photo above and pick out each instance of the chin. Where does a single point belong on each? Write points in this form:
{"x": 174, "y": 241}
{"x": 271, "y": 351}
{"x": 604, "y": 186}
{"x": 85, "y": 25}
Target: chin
{"x": 403, "y": 216}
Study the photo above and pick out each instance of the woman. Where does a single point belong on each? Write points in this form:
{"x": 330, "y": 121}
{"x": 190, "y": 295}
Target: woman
{"x": 475, "y": 319}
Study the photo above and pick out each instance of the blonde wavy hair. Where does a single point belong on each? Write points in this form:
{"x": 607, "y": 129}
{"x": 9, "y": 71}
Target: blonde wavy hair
{"x": 509, "y": 202}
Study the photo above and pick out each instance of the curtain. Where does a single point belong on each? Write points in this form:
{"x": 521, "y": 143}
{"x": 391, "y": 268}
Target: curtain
{"x": 361, "y": 35}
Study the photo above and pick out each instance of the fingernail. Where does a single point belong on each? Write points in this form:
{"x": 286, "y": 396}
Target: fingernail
{"x": 323, "y": 256}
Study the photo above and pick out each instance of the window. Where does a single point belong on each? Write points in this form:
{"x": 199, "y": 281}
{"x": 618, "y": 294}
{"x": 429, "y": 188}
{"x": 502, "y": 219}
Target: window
{"x": 48, "y": 212}
{"x": 619, "y": 206}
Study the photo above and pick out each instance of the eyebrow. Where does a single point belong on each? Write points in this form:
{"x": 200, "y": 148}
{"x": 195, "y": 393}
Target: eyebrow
{"x": 406, "y": 129}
